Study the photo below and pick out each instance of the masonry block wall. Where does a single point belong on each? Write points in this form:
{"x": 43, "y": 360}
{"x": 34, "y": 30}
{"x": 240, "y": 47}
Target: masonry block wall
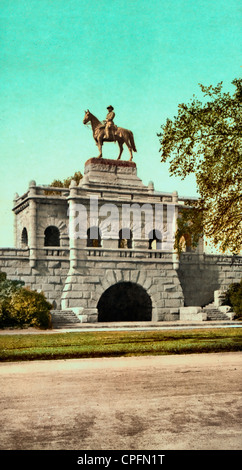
{"x": 74, "y": 273}
{"x": 200, "y": 275}
{"x": 47, "y": 276}
{"x": 193, "y": 283}
{"x": 89, "y": 282}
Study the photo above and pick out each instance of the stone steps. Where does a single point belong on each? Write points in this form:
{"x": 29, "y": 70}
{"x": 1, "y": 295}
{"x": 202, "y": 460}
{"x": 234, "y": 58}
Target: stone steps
{"x": 64, "y": 318}
{"x": 68, "y": 319}
{"x": 213, "y": 314}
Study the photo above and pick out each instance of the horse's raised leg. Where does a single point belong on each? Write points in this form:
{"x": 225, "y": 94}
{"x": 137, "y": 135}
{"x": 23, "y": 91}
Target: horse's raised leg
{"x": 120, "y": 149}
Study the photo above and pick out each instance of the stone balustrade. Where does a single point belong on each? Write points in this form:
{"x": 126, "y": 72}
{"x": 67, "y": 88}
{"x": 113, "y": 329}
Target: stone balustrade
{"x": 211, "y": 258}
{"x": 9, "y": 253}
{"x": 128, "y": 253}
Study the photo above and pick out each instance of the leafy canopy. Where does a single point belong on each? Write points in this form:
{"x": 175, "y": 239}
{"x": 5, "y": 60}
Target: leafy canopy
{"x": 20, "y": 306}
{"x": 64, "y": 184}
{"x": 204, "y": 139}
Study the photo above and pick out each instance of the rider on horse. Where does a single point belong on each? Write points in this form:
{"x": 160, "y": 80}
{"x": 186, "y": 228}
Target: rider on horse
{"x": 109, "y": 124}
{"x": 107, "y": 131}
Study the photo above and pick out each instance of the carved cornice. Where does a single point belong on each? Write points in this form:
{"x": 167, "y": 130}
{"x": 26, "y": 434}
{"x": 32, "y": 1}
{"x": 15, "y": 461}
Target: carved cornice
{"x": 21, "y": 207}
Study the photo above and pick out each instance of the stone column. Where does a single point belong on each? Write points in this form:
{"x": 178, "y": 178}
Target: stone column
{"x": 72, "y": 225}
{"x": 32, "y": 235}
{"x": 15, "y": 222}
{"x": 175, "y": 255}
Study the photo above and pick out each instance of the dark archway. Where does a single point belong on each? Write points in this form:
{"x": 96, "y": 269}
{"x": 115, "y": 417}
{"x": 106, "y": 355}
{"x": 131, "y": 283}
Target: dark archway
{"x": 155, "y": 239}
{"x": 186, "y": 242}
{"x": 125, "y": 238}
{"x": 24, "y": 238}
{"x": 52, "y": 236}
{"x": 124, "y": 301}
{"x": 94, "y": 238}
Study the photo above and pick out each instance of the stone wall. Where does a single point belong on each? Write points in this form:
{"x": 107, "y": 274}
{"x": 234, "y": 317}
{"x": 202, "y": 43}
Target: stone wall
{"x": 85, "y": 285}
{"x": 47, "y": 275}
{"x": 193, "y": 283}
{"x": 201, "y": 275}
{"x": 81, "y": 288}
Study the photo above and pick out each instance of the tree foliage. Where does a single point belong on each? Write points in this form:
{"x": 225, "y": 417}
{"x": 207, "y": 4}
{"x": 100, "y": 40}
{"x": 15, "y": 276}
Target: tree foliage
{"x": 234, "y": 298}
{"x": 204, "y": 139}
{"x": 189, "y": 223}
{"x": 64, "y": 184}
{"x": 20, "y": 306}
{"x": 8, "y": 287}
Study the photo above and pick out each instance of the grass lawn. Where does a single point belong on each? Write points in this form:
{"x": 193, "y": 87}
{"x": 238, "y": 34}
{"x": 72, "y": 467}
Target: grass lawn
{"x": 25, "y": 347}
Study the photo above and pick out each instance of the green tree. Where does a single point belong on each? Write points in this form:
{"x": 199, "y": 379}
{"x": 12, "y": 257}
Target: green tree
{"x": 64, "y": 184}
{"x": 8, "y": 287}
{"x": 204, "y": 139}
{"x": 234, "y": 298}
{"x": 190, "y": 222}
{"x": 20, "y": 306}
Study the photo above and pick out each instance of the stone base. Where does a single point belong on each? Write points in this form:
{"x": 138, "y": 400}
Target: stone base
{"x": 219, "y": 296}
{"x": 192, "y": 314}
{"x": 226, "y": 309}
{"x": 112, "y": 174}
{"x": 108, "y": 162}
{"x": 171, "y": 316}
{"x": 85, "y": 315}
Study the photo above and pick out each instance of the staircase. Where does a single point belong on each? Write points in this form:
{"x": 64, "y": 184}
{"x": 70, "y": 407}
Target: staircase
{"x": 64, "y": 319}
{"x": 214, "y": 314}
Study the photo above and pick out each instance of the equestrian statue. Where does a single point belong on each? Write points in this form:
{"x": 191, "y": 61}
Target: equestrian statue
{"x": 107, "y": 131}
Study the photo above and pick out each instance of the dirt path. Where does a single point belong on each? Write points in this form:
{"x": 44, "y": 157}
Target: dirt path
{"x": 150, "y": 403}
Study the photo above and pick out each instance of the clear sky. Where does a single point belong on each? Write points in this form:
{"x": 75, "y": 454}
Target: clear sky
{"x": 60, "y": 57}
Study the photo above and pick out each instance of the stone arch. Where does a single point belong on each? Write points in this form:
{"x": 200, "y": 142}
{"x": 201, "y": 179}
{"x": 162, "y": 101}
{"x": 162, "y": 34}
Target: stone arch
{"x": 94, "y": 237}
{"x": 24, "y": 238}
{"x": 186, "y": 242}
{"x": 124, "y": 301}
{"x": 125, "y": 238}
{"x": 137, "y": 276}
{"x": 54, "y": 222}
{"x": 52, "y": 236}
{"x": 155, "y": 240}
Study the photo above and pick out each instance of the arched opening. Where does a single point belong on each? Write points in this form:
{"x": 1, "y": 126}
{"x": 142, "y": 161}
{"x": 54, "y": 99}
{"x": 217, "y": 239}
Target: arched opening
{"x": 124, "y": 301}
{"x": 52, "y": 236}
{"x": 24, "y": 238}
{"x": 155, "y": 238}
{"x": 94, "y": 238}
{"x": 186, "y": 242}
{"x": 125, "y": 238}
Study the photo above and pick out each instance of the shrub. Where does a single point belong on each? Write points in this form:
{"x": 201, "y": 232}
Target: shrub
{"x": 8, "y": 287}
{"x": 30, "y": 308}
{"x": 234, "y": 298}
{"x": 5, "y": 318}
{"x": 20, "y": 306}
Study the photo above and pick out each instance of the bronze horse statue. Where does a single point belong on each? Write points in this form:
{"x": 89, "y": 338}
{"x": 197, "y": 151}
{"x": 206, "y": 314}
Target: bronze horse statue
{"x": 120, "y": 135}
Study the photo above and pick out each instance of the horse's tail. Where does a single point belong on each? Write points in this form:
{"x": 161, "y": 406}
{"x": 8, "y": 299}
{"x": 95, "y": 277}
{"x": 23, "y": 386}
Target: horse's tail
{"x": 131, "y": 140}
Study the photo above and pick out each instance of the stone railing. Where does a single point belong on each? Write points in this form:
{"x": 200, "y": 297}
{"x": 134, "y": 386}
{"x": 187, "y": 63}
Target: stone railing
{"x": 210, "y": 258}
{"x": 128, "y": 253}
{"x": 51, "y": 191}
{"x": 42, "y": 191}
{"x": 53, "y": 251}
{"x": 223, "y": 259}
{"x": 14, "y": 252}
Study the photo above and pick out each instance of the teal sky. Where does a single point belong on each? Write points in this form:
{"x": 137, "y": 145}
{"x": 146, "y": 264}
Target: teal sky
{"x": 59, "y": 57}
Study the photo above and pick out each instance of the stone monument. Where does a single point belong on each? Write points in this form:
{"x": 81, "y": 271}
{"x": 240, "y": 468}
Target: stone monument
{"x": 102, "y": 250}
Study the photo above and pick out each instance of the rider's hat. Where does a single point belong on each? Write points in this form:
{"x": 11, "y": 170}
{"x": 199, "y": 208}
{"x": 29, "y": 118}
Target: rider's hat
{"x": 110, "y": 108}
